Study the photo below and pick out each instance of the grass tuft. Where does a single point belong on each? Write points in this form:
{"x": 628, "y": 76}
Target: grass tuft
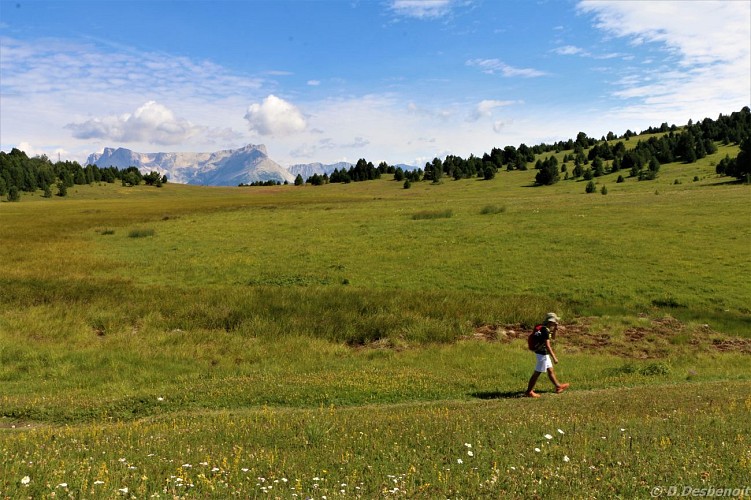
{"x": 141, "y": 233}
{"x": 492, "y": 209}
{"x": 433, "y": 214}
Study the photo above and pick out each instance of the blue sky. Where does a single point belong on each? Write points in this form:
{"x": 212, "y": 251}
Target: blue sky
{"x": 402, "y": 81}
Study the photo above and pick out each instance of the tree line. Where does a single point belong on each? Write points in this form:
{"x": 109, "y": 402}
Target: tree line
{"x": 19, "y": 173}
{"x": 590, "y": 157}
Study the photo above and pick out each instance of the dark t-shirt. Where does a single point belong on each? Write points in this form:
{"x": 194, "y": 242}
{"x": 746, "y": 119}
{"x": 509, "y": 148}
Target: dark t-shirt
{"x": 540, "y": 337}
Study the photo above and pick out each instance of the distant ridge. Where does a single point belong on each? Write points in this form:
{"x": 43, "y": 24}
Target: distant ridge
{"x": 229, "y": 167}
{"x": 306, "y": 170}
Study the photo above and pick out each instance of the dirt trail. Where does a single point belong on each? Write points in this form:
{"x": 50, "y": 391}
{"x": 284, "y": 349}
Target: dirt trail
{"x": 655, "y": 340}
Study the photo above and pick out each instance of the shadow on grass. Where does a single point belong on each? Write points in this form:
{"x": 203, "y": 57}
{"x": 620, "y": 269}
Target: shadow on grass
{"x": 497, "y": 394}
{"x": 489, "y": 395}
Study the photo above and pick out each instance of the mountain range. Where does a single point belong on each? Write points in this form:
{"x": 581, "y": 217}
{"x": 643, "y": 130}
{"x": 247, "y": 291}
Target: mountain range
{"x": 307, "y": 170}
{"x": 229, "y": 167}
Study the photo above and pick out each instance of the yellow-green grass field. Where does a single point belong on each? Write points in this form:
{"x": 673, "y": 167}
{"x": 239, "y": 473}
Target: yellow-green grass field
{"x": 366, "y": 340}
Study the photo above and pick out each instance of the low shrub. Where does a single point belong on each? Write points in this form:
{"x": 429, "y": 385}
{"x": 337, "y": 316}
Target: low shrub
{"x": 141, "y": 233}
{"x": 433, "y": 214}
{"x": 492, "y": 209}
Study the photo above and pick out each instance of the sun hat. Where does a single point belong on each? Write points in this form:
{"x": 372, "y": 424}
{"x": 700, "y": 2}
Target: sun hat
{"x": 552, "y": 318}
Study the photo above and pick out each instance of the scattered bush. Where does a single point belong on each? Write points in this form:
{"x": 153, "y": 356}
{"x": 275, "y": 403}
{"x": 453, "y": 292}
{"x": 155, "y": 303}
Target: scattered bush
{"x": 141, "y": 233}
{"x": 653, "y": 369}
{"x": 604, "y": 190}
{"x": 591, "y": 187}
{"x": 14, "y": 194}
{"x": 433, "y": 214}
{"x": 492, "y": 209}
{"x": 667, "y": 302}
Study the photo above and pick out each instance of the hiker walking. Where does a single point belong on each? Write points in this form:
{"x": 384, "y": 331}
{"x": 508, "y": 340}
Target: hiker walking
{"x": 540, "y": 344}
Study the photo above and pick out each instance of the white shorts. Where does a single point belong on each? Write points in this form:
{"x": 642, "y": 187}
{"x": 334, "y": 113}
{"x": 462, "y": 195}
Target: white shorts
{"x": 543, "y": 363}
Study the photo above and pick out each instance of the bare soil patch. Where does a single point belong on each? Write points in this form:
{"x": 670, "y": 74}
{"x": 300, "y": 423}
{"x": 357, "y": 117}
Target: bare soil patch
{"x": 655, "y": 340}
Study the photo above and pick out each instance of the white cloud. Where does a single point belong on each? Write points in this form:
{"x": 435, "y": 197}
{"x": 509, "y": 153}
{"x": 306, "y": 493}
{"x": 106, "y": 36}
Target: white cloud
{"x": 87, "y": 91}
{"x": 439, "y": 113}
{"x": 358, "y": 142}
{"x": 698, "y": 32}
{"x": 422, "y": 9}
{"x": 275, "y": 116}
{"x": 57, "y": 66}
{"x": 151, "y": 123}
{"x": 570, "y": 50}
{"x": 493, "y": 66}
{"x": 485, "y": 109}
{"x": 707, "y": 56}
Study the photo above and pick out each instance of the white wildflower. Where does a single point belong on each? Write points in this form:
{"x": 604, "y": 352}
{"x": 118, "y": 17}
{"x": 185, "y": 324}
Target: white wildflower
{"x": 537, "y": 450}
{"x": 548, "y": 436}
{"x": 561, "y": 432}
{"x": 25, "y": 480}
{"x": 566, "y": 459}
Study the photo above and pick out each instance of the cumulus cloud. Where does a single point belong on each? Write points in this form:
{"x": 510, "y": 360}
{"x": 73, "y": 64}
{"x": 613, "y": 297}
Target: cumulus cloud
{"x": 493, "y": 66}
{"x": 275, "y": 117}
{"x": 152, "y": 123}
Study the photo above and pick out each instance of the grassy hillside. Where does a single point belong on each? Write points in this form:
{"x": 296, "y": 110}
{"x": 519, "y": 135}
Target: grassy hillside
{"x": 365, "y": 334}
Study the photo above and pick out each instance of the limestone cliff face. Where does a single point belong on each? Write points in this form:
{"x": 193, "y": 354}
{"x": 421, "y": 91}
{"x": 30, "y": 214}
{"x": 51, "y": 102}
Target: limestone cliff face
{"x": 221, "y": 168}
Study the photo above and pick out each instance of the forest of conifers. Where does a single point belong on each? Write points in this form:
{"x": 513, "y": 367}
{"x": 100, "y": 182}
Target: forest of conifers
{"x": 590, "y": 157}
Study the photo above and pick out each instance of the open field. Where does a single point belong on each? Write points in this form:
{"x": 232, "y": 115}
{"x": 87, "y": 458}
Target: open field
{"x": 323, "y": 341}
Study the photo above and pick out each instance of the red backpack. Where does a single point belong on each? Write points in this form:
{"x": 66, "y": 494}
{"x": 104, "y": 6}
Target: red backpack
{"x": 532, "y": 340}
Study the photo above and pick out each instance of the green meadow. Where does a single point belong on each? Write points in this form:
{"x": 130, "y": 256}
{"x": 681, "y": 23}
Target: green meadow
{"x": 364, "y": 340}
